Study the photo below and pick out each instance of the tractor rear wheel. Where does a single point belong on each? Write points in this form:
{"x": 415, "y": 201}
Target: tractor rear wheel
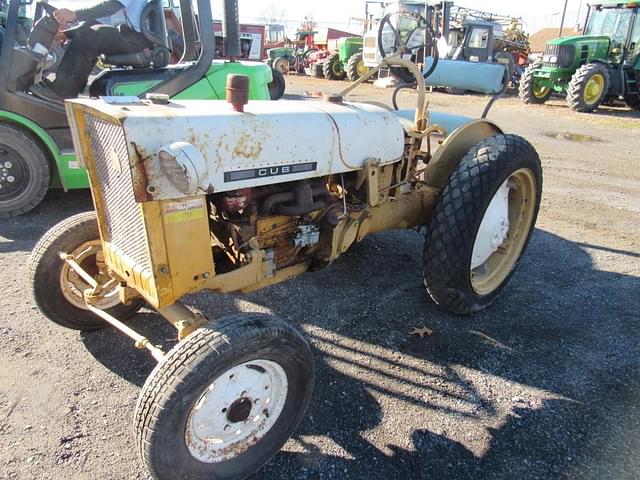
{"x": 58, "y": 290}
{"x": 24, "y": 172}
{"x": 277, "y": 86}
{"x": 588, "y": 87}
{"x": 356, "y": 67}
{"x": 482, "y": 223}
{"x": 632, "y": 99}
{"x": 530, "y": 91}
{"x": 333, "y": 68}
{"x": 224, "y": 400}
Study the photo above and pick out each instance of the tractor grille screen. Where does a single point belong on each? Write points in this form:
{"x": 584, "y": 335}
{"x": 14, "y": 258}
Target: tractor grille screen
{"x": 564, "y": 53}
{"x": 125, "y": 224}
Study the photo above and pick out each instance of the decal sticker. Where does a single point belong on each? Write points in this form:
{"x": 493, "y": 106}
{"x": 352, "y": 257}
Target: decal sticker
{"x": 176, "y": 212}
{"x": 267, "y": 172}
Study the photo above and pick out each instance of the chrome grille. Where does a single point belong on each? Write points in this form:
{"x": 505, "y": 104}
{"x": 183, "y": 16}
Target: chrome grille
{"x": 125, "y": 224}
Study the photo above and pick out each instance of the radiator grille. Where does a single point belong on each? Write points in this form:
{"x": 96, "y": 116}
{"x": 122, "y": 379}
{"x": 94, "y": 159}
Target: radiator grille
{"x": 125, "y": 224}
{"x": 565, "y": 54}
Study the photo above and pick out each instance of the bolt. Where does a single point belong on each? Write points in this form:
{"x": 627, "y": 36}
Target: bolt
{"x": 11, "y": 179}
{"x": 206, "y": 275}
{"x": 7, "y": 165}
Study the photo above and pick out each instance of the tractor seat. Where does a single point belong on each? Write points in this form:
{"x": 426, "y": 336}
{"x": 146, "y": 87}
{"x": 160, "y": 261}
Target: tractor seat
{"x": 154, "y": 29}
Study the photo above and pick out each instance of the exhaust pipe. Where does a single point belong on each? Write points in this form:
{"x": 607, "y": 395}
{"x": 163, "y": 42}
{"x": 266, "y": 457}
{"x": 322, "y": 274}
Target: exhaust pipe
{"x": 231, "y": 29}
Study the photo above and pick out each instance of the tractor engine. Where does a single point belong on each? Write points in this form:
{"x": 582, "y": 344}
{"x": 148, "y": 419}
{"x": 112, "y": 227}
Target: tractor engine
{"x": 251, "y": 188}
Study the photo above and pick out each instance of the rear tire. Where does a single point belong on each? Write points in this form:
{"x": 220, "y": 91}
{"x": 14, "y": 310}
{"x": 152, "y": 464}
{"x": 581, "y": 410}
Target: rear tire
{"x": 24, "y": 172}
{"x": 588, "y": 87}
{"x": 356, "y": 67}
{"x": 248, "y": 374}
{"x": 56, "y": 290}
{"x": 333, "y": 68}
{"x": 633, "y": 99}
{"x": 457, "y": 275}
{"x": 277, "y": 86}
{"x": 531, "y": 93}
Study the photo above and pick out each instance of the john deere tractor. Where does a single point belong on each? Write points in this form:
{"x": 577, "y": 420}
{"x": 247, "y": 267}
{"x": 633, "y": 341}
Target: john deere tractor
{"x": 347, "y": 61}
{"x": 594, "y": 68}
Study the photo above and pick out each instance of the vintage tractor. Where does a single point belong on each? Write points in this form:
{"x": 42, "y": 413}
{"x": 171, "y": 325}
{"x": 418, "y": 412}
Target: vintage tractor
{"x": 193, "y": 196}
{"x": 601, "y": 65}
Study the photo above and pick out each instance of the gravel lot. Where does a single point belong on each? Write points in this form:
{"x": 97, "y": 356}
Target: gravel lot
{"x": 544, "y": 384}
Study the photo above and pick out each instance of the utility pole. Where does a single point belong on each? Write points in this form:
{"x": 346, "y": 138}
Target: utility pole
{"x": 564, "y": 14}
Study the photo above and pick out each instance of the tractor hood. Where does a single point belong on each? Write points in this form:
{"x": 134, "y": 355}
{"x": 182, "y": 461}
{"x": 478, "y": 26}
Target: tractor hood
{"x": 189, "y": 148}
{"x": 580, "y": 39}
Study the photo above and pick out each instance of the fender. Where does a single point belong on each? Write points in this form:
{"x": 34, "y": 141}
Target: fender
{"x": 448, "y": 156}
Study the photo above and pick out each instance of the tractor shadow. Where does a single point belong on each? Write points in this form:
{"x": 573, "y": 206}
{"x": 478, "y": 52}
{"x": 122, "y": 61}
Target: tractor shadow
{"x": 543, "y": 384}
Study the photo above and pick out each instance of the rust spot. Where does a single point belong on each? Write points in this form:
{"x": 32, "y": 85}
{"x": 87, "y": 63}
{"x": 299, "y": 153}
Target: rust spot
{"x": 247, "y": 147}
{"x": 139, "y": 174}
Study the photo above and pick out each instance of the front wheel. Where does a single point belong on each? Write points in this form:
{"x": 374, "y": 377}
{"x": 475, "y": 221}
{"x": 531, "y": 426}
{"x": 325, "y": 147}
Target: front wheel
{"x": 482, "y": 223}
{"x": 224, "y": 400}
{"x": 58, "y": 290}
{"x": 356, "y": 67}
{"x": 333, "y": 68}
{"x": 531, "y": 91}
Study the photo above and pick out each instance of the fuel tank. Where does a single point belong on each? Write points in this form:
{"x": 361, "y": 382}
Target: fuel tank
{"x": 186, "y": 147}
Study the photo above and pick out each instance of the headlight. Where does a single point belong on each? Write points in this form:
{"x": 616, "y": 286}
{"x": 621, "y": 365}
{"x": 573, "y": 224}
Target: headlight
{"x": 184, "y": 166}
{"x": 550, "y": 59}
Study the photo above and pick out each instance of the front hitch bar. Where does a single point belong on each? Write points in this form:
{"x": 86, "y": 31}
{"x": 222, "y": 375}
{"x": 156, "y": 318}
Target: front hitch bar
{"x": 141, "y": 341}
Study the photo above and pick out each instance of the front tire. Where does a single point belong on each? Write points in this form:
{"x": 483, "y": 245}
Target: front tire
{"x": 24, "y": 172}
{"x": 588, "y": 87}
{"x": 57, "y": 290}
{"x": 224, "y": 400}
{"x": 333, "y": 68}
{"x": 356, "y": 67}
{"x": 531, "y": 93}
{"x": 482, "y": 223}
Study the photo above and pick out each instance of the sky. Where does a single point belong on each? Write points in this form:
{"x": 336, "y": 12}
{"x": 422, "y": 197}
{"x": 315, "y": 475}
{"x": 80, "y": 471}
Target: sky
{"x": 341, "y": 13}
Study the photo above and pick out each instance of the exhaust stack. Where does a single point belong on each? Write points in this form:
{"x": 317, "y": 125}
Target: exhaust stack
{"x": 231, "y": 29}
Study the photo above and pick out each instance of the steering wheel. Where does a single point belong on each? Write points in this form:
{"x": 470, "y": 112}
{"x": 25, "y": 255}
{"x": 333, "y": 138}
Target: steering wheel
{"x": 400, "y": 47}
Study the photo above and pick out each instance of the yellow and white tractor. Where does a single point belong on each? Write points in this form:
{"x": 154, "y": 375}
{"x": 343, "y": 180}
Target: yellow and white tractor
{"x": 235, "y": 196}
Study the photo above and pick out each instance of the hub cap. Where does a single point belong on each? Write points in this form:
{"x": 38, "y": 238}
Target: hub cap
{"x": 503, "y": 232}
{"x": 14, "y": 176}
{"x": 73, "y": 286}
{"x": 362, "y": 68}
{"x": 540, "y": 91}
{"x": 236, "y": 411}
{"x": 594, "y": 88}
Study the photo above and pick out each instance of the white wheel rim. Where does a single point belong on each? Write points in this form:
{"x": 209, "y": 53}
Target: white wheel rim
{"x": 494, "y": 228}
{"x": 236, "y": 411}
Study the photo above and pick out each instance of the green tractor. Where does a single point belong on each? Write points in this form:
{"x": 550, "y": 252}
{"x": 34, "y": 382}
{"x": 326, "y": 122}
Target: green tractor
{"x": 36, "y": 148}
{"x": 347, "y": 62}
{"x": 597, "y": 67}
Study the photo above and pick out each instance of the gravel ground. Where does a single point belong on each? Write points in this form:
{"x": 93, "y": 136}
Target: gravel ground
{"x": 544, "y": 384}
